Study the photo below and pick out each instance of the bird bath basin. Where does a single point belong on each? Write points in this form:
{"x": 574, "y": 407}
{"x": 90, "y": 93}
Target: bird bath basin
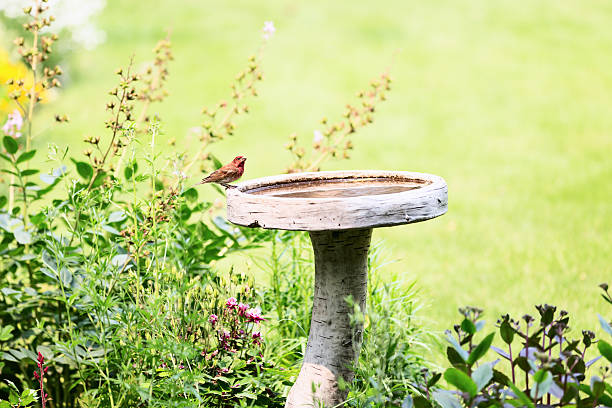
{"x": 339, "y": 209}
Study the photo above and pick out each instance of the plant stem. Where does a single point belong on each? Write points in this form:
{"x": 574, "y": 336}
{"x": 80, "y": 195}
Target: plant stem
{"x": 98, "y": 169}
{"x": 221, "y": 124}
{"x": 527, "y": 356}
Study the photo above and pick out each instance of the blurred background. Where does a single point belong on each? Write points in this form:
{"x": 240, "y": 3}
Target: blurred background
{"x": 510, "y": 102}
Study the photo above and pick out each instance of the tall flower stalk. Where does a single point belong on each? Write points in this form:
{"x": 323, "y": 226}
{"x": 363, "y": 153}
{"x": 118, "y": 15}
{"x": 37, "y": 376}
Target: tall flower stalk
{"x": 41, "y": 79}
{"x": 39, "y": 376}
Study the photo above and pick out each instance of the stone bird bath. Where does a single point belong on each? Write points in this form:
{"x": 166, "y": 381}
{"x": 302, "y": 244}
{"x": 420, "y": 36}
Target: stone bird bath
{"x": 339, "y": 209}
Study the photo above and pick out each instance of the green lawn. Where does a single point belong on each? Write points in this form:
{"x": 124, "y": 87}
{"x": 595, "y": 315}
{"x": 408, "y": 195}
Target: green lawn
{"x": 511, "y": 102}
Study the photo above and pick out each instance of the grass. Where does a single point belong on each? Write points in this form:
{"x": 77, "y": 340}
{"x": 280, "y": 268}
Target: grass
{"x": 509, "y": 102}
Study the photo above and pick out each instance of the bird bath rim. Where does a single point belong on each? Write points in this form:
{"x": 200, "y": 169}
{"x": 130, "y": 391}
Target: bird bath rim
{"x": 247, "y": 206}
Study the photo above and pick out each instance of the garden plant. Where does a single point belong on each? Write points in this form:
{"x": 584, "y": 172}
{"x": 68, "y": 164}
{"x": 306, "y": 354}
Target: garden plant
{"x": 113, "y": 292}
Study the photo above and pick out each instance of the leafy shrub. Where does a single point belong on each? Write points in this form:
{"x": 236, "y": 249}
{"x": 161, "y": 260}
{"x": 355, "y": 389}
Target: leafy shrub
{"x": 547, "y": 370}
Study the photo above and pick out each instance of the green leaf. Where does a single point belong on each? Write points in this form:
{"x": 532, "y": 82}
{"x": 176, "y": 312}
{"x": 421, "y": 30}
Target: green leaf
{"x": 25, "y": 156}
{"x": 605, "y": 325}
{"x": 128, "y": 172}
{"x": 10, "y": 144}
{"x": 453, "y": 342}
{"x": 461, "y": 380}
{"x": 421, "y": 402}
{"x": 216, "y": 161}
{"x": 116, "y": 216}
{"x": 540, "y": 376}
{"x": 191, "y": 194}
{"x": 446, "y": 399}
{"x": 603, "y": 399}
{"x": 521, "y": 396}
{"x": 22, "y": 236}
{"x": 3, "y": 201}
{"x": 434, "y": 380}
{"x": 605, "y": 349}
{"x": 544, "y": 380}
{"x": 27, "y": 397}
{"x": 507, "y": 332}
{"x": 29, "y": 172}
{"x": 468, "y": 326}
{"x": 500, "y": 377}
{"x": 99, "y": 180}
{"x": 455, "y": 359}
{"x": 8, "y": 172}
{"x": 5, "y": 332}
{"x": 84, "y": 169}
{"x": 481, "y": 349}
{"x": 482, "y": 375}
{"x": 597, "y": 386}
{"x": 407, "y": 402}
{"x": 110, "y": 229}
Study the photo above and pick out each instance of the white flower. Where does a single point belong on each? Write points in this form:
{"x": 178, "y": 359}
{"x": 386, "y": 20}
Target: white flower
{"x": 268, "y": 29}
{"x": 318, "y": 138}
{"x": 180, "y": 174}
{"x": 73, "y": 15}
{"x": 177, "y": 171}
{"x": 13, "y": 124}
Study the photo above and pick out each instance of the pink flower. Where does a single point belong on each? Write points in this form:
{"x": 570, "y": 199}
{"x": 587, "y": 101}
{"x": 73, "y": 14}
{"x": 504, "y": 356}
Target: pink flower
{"x": 13, "y": 124}
{"x": 254, "y": 315}
{"x": 231, "y": 303}
{"x": 256, "y": 338}
{"x": 213, "y": 319}
{"x": 268, "y": 29}
{"x": 242, "y": 308}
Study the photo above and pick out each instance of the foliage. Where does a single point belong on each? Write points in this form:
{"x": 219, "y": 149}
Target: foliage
{"x": 548, "y": 369}
{"x": 390, "y": 363}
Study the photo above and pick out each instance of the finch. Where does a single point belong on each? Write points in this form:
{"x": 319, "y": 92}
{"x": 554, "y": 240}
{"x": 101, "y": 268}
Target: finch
{"x": 226, "y": 174}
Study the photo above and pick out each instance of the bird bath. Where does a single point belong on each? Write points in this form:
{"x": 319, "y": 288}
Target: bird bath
{"x": 339, "y": 209}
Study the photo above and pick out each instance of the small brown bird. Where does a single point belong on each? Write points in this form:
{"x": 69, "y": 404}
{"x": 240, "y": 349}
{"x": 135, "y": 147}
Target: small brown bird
{"x": 226, "y": 174}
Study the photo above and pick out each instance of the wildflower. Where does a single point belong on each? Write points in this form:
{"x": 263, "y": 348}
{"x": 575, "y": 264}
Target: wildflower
{"x": 256, "y": 338}
{"x": 13, "y": 124}
{"x": 242, "y": 308}
{"x": 268, "y": 29}
{"x": 254, "y": 315}
{"x": 180, "y": 174}
{"x": 317, "y": 139}
{"x": 231, "y": 303}
{"x": 213, "y": 319}
{"x": 39, "y": 376}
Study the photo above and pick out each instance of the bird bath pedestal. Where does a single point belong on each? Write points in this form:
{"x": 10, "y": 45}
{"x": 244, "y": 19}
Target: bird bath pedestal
{"x": 339, "y": 209}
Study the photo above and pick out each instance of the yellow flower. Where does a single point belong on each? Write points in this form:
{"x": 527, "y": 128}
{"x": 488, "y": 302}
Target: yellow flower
{"x": 15, "y": 71}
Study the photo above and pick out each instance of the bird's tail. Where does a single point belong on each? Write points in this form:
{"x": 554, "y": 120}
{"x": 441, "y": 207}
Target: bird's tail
{"x": 204, "y": 181}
